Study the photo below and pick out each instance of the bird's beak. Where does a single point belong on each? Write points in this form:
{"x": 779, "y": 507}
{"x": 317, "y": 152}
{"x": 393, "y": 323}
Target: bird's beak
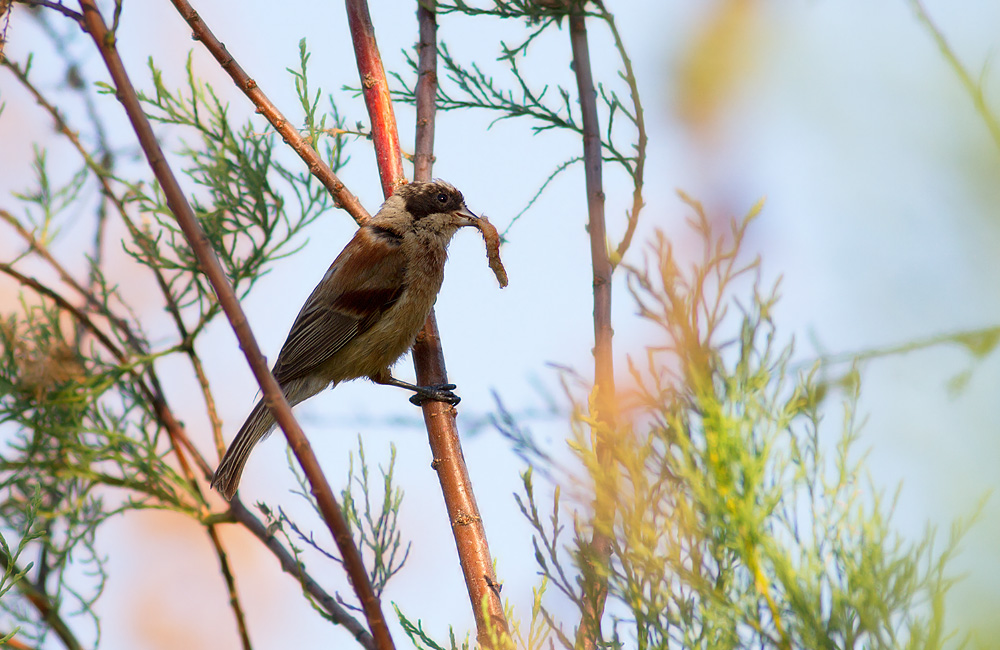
{"x": 467, "y": 215}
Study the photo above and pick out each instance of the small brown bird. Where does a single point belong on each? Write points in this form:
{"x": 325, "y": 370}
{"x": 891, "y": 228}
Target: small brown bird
{"x": 365, "y": 312}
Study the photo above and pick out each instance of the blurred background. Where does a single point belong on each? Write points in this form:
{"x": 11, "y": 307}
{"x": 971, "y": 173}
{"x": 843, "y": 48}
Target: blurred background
{"x": 882, "y": 221}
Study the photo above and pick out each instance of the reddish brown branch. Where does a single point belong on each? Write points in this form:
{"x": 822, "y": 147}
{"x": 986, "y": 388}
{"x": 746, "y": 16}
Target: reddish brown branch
{"x": 375, "y": 88}
{"x": 456, "y": 486}
{"x": 428, "y": 357}
{"x": 181, "y": 209}
{"x": 317, "y": 166}
{"x": 428, "y": 360}
{"x": 597, "y": 556}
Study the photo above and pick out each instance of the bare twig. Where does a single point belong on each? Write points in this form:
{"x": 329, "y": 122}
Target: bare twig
{"x": 638, "y": 117}
{"x": 375, "y": 89}
{"x": 973, "y": 87}
{"x": 317, "y": 166}
{"x": 428, "y": 360}
{"x": 595, "y": 585}
{"x": 55, "y": 6}
{"x": 290, "y": 565}
{"x": 426, "y": 91}
{"x": 227, "y": 575}
{"x": 275, "y": 400}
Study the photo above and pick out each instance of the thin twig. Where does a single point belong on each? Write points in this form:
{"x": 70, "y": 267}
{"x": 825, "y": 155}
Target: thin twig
{"x": 642, "y": 140}
{"x": 595, "y": 589}
{"x": 317, "y": 166}
{"x": 43, "y": 604}
{"x": 234, "y": 598}
{"x": 55, "y": 6}
{"x": 426, "y": 91}
{"x": 290, "y": 565}
{"x": 974, "y": 88}
{"x": 78, "y": 83}
{"x": 273, "y": 396}
{"x": 428, "y": 360}
{"x": 375, "y": 88}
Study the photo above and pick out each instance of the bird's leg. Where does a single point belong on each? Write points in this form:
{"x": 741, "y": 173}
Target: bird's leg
{"x": 436, "y": 392}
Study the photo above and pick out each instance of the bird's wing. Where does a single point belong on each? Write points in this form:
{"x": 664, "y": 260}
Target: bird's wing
{"x": 365, "y": 280}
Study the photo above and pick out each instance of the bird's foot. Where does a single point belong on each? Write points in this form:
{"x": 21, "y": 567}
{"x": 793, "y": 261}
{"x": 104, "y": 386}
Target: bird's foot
{"x": 435, "y": 393}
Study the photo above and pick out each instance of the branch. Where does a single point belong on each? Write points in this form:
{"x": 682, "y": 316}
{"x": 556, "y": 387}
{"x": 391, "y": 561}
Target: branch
{"x": 227, "y": 575}
{"x": 428, "y": 360}
{"x": 317, "y": 166}
{"x": 426, "y": 91}
{"x": 292, "y": 566}
{"x": 638, "y": 172}
{"x": 974, "y": 88}
{"x": 55, "y": 6}
{"x": 375, "y": 89}
{"x": 181, "y": 209}
{"x": 41, "y": 602}
{"x": 595, "y": 587}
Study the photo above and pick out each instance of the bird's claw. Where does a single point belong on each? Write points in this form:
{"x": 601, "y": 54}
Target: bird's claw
{"x": 435, "y": 393}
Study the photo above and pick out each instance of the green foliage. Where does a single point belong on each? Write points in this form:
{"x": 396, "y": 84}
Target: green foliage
{"x": 14, "y": 572}
{"x": 733, "y": 527}
{"x": 421, "y": 640}
{"x": 88, "y": 432}
{"x": 372, "y": 516}
{"x": 243, "y": 211}
{"x": 47, "y": 200}
{"x": 472, "y": 87}
{"x": 377, "y": 531}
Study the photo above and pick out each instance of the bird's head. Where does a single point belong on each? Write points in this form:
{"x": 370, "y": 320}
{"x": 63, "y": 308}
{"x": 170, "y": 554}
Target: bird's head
{"x": 430, "y": 207}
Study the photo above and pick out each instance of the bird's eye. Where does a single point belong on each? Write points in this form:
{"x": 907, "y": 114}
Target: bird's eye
{"x": 442, "y": 197}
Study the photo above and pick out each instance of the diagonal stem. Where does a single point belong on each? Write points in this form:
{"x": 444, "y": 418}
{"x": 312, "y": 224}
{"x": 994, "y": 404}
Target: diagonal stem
{"x": 265, "y": 107}
{"x": 182, "y": 211}
{"x": 335, "y": 612}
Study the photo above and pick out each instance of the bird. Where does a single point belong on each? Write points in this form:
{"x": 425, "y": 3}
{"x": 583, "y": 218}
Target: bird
{"x": 365, "y": 312}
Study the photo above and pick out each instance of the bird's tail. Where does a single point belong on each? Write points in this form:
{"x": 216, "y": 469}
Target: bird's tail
{"x": 258, "y": 425}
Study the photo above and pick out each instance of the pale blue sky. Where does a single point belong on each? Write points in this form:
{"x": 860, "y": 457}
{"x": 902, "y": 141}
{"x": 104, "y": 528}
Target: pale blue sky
{"x": 881, "y": 218}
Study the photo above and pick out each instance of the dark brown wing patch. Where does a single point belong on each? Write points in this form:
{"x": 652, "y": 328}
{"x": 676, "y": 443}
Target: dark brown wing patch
{"x": 372, "y": 268}
{"x": 315, "y": 337}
